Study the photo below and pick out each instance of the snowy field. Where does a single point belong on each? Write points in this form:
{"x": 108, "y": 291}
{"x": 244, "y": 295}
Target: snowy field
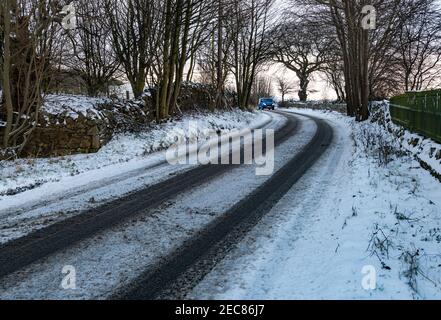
{"x": 354, "y": 209}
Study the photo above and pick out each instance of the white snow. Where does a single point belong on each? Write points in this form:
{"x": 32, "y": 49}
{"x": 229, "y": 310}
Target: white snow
{"x": 37, "y": 192}
{"x": 424, "y": 149}
{"x": 73, "y": 105}
{"x": 349, "y": 211}
{"x": 315, "y": 243}
{"x": 113, "y": 258}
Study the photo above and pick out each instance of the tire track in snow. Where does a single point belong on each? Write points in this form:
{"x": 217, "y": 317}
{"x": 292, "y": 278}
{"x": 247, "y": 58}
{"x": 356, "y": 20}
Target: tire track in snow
{"x": 19, "y": 253}
{"x": 74, "y": 192}
{"x": 181, "y": 271}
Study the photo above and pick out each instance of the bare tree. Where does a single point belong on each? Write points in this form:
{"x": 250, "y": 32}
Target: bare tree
{"x": 183, "y": 25}
{"x": 220, "y": 80}
{"x": 285, "y": 87}
{"x": 135, "y": 37}
{"x": 215, "y": 55}
{"x": 365, "y": 31}
{"x": 419, "y": 46}
{"x": 392, "y": 16}
{"x": 301, "y": 46}
{"x": 2, "y": 43}
{"x": 251, "y": 44}
{"x": 347, "y": 17}
{"x": 335, "y": 78}
{"x": 92, "y": 56}
{"x": 29, "y": 29}
{"x": 262, "y": 87}
{"x": 333, "y": 72}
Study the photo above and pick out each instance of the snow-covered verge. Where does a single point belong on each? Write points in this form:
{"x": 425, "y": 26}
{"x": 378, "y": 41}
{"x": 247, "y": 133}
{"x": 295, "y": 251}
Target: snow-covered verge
{"x": 21, "y": 175}
{"x": 427, "y": 151}
{"x": 317, "y": 105}
{"x": 366, "y": 206}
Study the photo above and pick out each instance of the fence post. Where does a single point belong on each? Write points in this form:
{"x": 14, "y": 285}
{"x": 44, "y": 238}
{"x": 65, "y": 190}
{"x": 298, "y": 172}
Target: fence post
{"x": 437, "y": 101}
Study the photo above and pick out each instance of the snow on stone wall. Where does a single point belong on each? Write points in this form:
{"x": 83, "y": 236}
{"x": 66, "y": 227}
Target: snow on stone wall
{"x": 71, "y": 124}
{"x": 78, "y": 124}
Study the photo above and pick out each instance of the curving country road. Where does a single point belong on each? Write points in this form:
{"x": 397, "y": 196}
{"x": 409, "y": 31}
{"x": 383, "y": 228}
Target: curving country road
{"x": 18, "y": 253}
{"x": 181, "y": 270}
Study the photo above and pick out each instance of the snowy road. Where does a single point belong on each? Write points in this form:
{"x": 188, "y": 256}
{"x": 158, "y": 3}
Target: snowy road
{"x": 188, "y": 265}
{"x": 65, "y": 233}
{"x": 47, "y": 191}
{"x": 347, "y": 213}
{"x": 305, "y": 232}
{"x": 46, "y": 251}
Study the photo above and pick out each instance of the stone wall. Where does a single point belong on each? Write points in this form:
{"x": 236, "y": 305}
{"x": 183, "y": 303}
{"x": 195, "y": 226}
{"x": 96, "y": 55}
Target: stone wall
{"x": 67, "y": 131}
{"x": 64, "y": 134}
{"x": 80, "y": 135}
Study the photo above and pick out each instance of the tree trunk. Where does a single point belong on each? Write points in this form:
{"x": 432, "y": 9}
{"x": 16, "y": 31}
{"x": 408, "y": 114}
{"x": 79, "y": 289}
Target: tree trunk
{"x": 164, "y": 83}
{"x": 303, "y": 92}
{"x": 7, "y": 73}
{"x": 220, "y": 73}
{"x": 183, "y": 56}
{"x": 138, "y": 85}
{"x": 363, "y": 113}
